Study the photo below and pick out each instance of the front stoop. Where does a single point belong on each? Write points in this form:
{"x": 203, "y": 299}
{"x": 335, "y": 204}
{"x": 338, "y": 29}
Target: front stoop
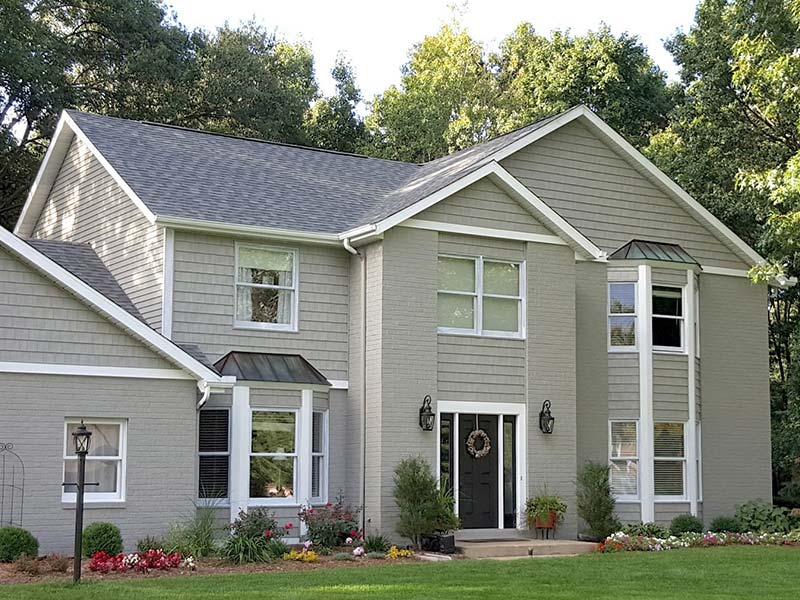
{"x": 521, "y": 548}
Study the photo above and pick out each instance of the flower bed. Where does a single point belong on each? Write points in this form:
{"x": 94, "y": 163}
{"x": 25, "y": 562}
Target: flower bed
{"x": 621, "y": 542}
{"x": 142, "y": 562}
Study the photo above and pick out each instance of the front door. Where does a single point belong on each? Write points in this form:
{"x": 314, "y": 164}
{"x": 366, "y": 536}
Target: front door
{"x": 477, "y": 471}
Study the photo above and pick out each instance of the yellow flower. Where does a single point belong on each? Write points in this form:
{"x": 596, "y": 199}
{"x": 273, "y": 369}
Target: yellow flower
{"x": 395, "y": 553}
{"x": 306, "y": 556}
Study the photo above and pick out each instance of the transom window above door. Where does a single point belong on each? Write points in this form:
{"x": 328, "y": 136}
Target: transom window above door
{"x": 266, "y": 288}
{"x": 481, "y": 296}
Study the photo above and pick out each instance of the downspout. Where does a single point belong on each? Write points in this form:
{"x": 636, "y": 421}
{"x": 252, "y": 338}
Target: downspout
{"x": 206, "y": 390}
{"x": 363, "y": 257}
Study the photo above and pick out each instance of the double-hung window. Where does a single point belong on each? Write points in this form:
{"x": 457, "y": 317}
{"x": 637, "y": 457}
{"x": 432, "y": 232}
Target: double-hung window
{"x": 667, "y": 318}
{"x": 669, "y": 456}
{"x": 481, "y": 296}
{"x": 214, "y": 453}
{"x": 622, "y": 316}
{"x": 105, "y": 463}
{"x": 624, "y": 459}
{"x": 273, "y": 454}
{"x": 266, "y": 288}
{"x": 319, "y": 461}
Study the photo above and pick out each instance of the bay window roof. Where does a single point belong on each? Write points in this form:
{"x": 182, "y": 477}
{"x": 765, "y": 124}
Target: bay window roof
{"x": 646, "y": 250}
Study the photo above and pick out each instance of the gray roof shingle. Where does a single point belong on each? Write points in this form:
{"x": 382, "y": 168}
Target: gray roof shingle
{"x": 82, "y": 261}
{"x": 192, "y": 174}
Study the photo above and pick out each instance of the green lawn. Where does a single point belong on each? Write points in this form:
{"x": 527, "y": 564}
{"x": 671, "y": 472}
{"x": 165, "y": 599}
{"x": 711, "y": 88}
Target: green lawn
{"x": 734, "y": 572}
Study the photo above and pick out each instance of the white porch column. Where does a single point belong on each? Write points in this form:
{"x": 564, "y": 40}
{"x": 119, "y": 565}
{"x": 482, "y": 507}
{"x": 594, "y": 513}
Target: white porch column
{"x": 691, "y": 434}
{"x": 240, "y": 450}
{"x": 305, "y": 450}
{"x": 644, "y": 335}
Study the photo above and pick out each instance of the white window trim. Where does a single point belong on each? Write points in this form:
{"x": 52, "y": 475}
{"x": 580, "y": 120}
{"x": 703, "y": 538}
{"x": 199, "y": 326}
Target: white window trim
{"x": 290, "y": 500}
{"x": 634, "y": 314}
{"x": 685, "y": 496}
{"x": 90, "y": 496}
{"x": 682, "y": 319}
{"x": 478, "y": 295}
{"x": 214, "y": 501}
{"x": 295, "y": 288}
{"x": 611, "y": 458}
{"x": 323, "y": 476}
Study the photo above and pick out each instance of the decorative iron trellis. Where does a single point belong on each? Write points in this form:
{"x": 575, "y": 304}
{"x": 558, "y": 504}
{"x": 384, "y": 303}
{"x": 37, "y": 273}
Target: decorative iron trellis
{"x": 12, "y": 486}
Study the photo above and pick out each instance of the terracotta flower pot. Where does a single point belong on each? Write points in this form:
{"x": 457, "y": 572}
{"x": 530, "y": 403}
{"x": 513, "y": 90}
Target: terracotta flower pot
{"x": 548, "y": 523}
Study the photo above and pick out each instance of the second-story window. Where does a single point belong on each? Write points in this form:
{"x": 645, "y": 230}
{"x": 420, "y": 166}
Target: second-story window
{"x": 266, "y": 288}
{"x": 481, "y": 296}
{"x": 667, "y": 318}
{"x": 622, "y": 316}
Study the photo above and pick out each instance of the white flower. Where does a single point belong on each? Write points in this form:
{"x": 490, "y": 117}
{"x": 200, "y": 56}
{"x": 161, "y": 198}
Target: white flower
{"x": 307, "y": 544}
{"x": 359, "y": 551}
{"x": 348, "y": 541}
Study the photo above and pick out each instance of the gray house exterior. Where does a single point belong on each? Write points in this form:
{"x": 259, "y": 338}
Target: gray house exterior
{"x": 245, "y": 323}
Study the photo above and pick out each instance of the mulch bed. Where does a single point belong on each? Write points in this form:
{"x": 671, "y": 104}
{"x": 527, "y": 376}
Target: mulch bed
{"x": 10, "y": 574}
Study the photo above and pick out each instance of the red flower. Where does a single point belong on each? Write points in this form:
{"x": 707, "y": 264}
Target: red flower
{"x": 288, "y": 526}
{"x": 267, "y": 533}
{"x": 311, "y": 511}
{"x": 329, "y": 504}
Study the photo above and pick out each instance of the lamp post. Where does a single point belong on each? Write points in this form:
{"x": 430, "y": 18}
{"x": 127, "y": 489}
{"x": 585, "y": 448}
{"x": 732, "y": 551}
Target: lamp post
{"x": 82, "y": 439}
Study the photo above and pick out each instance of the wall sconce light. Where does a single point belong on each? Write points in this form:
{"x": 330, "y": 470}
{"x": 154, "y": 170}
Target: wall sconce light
{"x": 546, "y": 420}
{"x": 426, "y": 415}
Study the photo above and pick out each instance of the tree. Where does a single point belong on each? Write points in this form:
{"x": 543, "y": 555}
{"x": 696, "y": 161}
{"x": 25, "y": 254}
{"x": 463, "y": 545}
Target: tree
{"x": 333, "y": 123}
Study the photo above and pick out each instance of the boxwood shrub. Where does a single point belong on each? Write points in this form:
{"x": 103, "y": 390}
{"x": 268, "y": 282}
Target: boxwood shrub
{"x": 16, "y": 542}
{"x": 102, "y": 537}
{"x": 685, "y": 524}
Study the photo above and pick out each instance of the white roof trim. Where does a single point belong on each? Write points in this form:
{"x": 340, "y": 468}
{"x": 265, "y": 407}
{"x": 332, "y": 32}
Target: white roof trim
{"x": 105, "y": 306}
{"x": 311, "y": 237}
{"x": 50, "y": 167}
{"x": 694, "y": 207}
{"x": 511, "y": 186}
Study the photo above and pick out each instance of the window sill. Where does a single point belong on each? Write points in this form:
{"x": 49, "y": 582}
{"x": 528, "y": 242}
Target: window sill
{"x": 258, "y": 502}
{"x": 623, "y": 350}
{"x": 670, "y": 500}
{"x": 493, "y": 336}
{"x": 626, "y": 500}
{"x": 87, "y": 505}
{"x": 243, "y": 325}
{"x": 673, "y": 351}
{"x": 213, "y": 503}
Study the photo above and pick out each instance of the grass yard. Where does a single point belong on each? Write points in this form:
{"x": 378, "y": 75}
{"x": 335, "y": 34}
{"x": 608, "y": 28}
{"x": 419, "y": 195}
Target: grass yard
{"x": 732, "y": 572}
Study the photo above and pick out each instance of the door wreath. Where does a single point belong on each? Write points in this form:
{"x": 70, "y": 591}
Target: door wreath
{"x": 486, "y": 447}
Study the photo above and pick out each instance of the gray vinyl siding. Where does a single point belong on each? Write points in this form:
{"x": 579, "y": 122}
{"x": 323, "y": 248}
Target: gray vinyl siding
{"x": 161, "y": 450}
{"x": 669, "y": 277}
{"x": 204, "y": 301}
{"x": 353, "y": 442}
{"x": 87, "y": 206}
{"x": 41, "y": 323}
{"x": 735, "y": 382}
{"x": 591, "y": 361}
{"x": 607, "y": 199}
{"x": 670, "y": 387}
{"x": 483, "y": 204}
{"x": 623, "y": 385}
{"x": 666, "y": 511}
{"x": 628, "y": 512}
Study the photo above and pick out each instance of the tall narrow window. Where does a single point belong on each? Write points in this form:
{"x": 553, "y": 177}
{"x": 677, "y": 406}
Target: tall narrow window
{"x": 509, "y": 472}
{"x": 622, "y": 315}
{"x": 266, "y": 288}
{"x": 214, "y": 453}
{"x": 667, "y": 318}
{"x": 481, "y": 296}
{"x": 273, "y": 454}
{"x": 105, "y": 463}
{"x": 446, "y": 451}
{"x": 669, "y": 468}
{"x": 319, "y": 443}
{"x": 624, "y": 458}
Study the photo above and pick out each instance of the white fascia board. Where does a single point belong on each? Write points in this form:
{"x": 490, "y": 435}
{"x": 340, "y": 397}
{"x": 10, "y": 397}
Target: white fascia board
{"x": 487, "y": 232}
{"x": 108, "y": 308}
{"x": 180, "y": 223}
{"x": 92, "y": 371}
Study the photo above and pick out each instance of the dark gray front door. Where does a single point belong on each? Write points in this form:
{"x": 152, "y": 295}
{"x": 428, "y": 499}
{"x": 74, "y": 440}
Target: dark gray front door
{"x": 477, "y": 477}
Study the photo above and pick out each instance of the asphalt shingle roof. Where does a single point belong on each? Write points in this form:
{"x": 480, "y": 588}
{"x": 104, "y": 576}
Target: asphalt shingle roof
{"x": 192, "y": 174}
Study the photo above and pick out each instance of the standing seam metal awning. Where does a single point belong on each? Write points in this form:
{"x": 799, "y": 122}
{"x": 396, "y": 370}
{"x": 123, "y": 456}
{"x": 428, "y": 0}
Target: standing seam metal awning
{"x": 277, "y": 368}
{"x": 644, "y": 250}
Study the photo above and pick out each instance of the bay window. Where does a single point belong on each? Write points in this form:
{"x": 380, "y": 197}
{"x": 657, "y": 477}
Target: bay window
{"x": 273, "y": 454}
{"x": 622, "y": 316}
{"x": 266, "y": 288}
{"x": 669, "y": 459}
{"x": 667, "y": 317}
{"x": 624, "y": 458}
{"x": 105, "y": 462}
{"x": 214, "y": 453}
{"x": 481, "y": 296}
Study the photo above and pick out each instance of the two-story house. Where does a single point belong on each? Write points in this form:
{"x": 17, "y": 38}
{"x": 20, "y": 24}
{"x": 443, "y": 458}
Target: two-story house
{"x": 244, "y": 323}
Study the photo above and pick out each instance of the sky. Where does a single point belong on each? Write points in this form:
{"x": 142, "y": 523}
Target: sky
{"x": 377, "y": 35}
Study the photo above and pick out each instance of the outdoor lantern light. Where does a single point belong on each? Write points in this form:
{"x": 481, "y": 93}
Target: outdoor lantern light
{"x": 82, "y": 438}
{"x": 426, "y": 415}
{"x": 546, "y": 420}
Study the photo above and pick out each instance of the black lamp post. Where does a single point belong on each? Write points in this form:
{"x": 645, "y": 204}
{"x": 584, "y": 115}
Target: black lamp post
{"x": 546, "y": 420}
{"x": 426, "y": 415}
{"x": 82, "y": 439}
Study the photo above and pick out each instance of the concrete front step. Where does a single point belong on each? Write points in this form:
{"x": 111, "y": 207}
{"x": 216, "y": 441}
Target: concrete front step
{"x": 521, "y": 548}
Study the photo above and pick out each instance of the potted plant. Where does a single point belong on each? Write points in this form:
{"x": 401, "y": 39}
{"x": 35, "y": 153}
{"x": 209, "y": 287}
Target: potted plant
{"x": 443, "y": 523}
{"x": 545, "y": 511}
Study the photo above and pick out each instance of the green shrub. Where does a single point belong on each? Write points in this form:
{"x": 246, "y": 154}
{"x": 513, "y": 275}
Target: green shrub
{"x": 240, "y": 550}
{"x": 16, "y": 542}
{"x": 255, "y": 522}
{"x": 275, "y": 548}
{"x": 150, "y": 542}
{"x": 685, "y": 524}
{"x": 330, "y": 525}
{"x": 193, "y": 537}
{"x": 376, "y": 543}
{"x": 595, "y": 502}
{"x": 343, "y": 556}
{"x": 724, "y": 524}
{"x": 376, "y": 555}
{"x": 646, "y": 529}
{"x": 102, "y": 537}
{"x": 425, "y": 509}
{"x": 762, "y": 517}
